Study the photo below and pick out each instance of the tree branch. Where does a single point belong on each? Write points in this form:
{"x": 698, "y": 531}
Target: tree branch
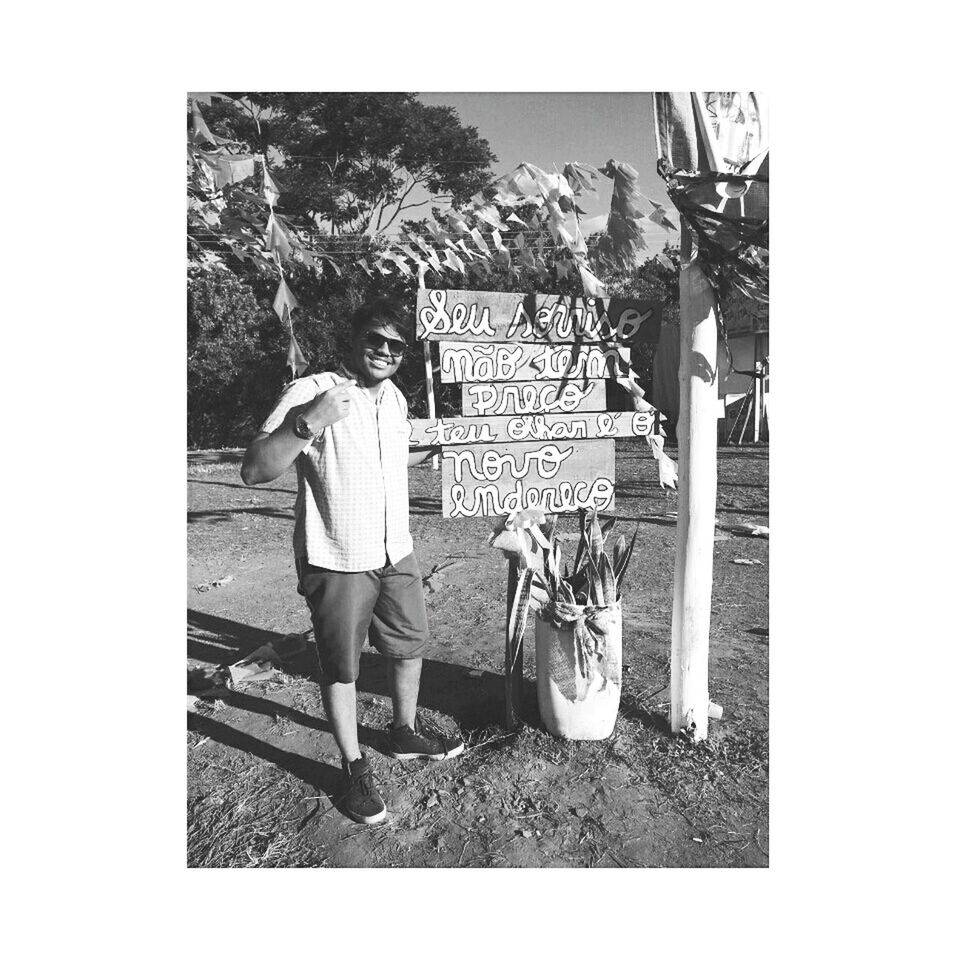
{"x": 400, "y": 205}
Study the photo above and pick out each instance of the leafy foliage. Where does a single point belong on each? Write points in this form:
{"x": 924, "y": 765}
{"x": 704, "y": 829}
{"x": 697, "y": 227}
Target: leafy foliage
{"x": 350, "y": 162}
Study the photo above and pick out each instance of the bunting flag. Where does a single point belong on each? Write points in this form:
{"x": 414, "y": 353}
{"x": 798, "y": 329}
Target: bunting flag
{"x": 275, "y": 238}
{"x": 296, "y": 361}
{"x": 592, "y": 286}
{"x": 201, "y": 132}
{"x": 284, "y": 302}
{"x": 479, "y": 241}
{"x": 232, "y": 168}
{"x": 453, "y": 261}
{"x": 624, "y": 241}
{"x": 666, "y": 468}
{"x": 271, "y": 193}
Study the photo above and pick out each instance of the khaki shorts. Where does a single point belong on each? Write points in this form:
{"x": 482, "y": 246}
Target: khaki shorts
{"x": 386, "y": 604}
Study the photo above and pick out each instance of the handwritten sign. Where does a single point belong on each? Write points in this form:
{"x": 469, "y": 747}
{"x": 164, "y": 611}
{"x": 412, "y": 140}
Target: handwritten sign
{"x": 534, "y": 430}
{"x": 496, "y": 479}
{"x": 489, "y": 362}
{"x": 557, "y": 396}
{"x": 483, "y": 317}
{"x": 444, "y": 431}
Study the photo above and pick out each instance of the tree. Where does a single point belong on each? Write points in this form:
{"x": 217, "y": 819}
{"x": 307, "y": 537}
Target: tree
{"x": 351, "y": 162}
{"x": 234, "y": 360}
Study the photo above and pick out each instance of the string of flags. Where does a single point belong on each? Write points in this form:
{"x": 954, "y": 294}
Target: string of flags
{"x": 505, "y": 229}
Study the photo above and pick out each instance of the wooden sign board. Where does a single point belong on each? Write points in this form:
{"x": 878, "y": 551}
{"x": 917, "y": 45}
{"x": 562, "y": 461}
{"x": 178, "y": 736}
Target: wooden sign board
{"x": 552, "y": 396}
{"x": 490, "y": 362}
{"x": 444, "y": 431}
{"x": 484, "y": 317}
{"x": 496, "y": 479}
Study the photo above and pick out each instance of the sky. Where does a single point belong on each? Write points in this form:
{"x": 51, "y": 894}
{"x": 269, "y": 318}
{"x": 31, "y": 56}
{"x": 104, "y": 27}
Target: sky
{"x": 556, "y": 128}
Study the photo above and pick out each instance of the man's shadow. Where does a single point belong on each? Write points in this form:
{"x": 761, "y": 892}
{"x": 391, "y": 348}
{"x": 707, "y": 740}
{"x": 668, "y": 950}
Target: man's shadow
{"x": 323, "y": 776}
{"x": 473, "y": 698}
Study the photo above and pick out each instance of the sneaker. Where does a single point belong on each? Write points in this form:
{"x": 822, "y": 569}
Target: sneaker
{"x": 361, "y": 801}
{"x": 424, "y": 740}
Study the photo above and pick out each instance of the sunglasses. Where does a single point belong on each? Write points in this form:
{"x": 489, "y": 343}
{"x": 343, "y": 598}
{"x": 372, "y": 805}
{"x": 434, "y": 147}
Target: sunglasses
{"x": 377, "y": 340}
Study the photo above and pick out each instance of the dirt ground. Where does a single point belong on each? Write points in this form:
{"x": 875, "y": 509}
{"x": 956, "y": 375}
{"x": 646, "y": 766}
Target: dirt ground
{"x": 263, "y": 766}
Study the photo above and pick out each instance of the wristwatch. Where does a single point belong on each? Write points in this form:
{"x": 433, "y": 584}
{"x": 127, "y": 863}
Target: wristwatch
{"x": 302, "y": 429}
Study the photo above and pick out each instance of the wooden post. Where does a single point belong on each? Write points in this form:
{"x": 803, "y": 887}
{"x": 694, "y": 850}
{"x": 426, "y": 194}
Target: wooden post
{"x": 431, "y": 401}
{"x": 696, "y": 514}
{"x": 513, "y": 656}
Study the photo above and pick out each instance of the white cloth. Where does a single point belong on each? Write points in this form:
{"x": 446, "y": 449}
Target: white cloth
{"x": 352, "y": 509}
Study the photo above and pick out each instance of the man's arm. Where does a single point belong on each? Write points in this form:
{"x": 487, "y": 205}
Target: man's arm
{"x": 271, "y": 453}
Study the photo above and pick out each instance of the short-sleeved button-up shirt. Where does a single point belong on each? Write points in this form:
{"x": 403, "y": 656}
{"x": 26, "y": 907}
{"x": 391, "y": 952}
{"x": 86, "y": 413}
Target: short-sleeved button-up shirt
{"x": 352, "y": 509}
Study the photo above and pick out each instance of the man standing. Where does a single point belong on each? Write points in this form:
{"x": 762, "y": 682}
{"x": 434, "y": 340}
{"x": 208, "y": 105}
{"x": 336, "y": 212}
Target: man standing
{"x": 348, "y": 433}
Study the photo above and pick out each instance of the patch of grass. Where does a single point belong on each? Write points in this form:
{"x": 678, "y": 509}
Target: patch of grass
{"x": 250, "y": 821}
{"x": 201, "y": 469}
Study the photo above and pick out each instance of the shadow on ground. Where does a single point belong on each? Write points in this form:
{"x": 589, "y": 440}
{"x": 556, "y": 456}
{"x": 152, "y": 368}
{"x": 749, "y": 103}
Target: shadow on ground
{"x": 473, "y": 698}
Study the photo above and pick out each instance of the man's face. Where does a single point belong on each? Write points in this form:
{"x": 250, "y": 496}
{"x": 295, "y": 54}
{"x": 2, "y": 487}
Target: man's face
{"x": 377, "y": 351}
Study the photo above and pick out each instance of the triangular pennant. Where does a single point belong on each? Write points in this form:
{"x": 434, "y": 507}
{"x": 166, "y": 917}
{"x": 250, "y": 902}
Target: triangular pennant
{"x": 284, "y": 301}
{"x": 479, "y": 241}
{"x": 201, "y": 132}
{"x": 592, "y": 286}
{"x": 453, "y": 261}
{"x": 296, "y": 361}
{"x": 275, "y": 237}
{"x": 270, "y": 191}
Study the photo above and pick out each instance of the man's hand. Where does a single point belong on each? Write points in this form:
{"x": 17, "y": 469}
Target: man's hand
{"x": 269, "y": 454}
{"x": 328, "y": 407}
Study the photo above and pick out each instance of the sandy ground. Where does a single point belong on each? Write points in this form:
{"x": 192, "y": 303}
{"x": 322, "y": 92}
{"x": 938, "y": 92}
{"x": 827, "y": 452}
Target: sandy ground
{"x": 263, "y": 766}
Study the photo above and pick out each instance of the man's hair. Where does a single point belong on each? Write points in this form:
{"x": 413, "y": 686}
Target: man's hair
{"x": 380, "y": 311}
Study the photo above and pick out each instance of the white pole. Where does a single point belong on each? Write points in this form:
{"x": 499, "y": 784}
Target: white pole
{"x": 697, "y": 508}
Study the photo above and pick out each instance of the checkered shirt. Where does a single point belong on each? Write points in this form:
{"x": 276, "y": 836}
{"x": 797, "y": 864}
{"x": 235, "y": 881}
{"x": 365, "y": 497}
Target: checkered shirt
{"x": 352, "y": 510}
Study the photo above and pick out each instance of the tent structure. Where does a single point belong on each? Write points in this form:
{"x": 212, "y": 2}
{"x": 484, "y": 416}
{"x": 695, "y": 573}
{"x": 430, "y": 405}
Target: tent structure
{"x": 743, "y": 373}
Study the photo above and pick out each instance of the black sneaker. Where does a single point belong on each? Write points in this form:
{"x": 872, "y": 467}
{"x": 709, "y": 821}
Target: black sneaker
{"x": 361, "y": 801}
{"x": 424, "y": 740}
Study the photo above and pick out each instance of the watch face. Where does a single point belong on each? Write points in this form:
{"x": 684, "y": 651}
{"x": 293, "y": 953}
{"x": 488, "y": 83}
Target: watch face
{"x": 302, "y": 429}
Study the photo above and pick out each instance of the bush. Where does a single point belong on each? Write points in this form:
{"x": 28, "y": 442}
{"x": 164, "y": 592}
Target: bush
{"x": 236, "y": 352}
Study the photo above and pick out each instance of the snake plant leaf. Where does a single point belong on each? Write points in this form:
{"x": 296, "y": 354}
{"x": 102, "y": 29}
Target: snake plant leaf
{"x": 619, "y": 548}
{"x": 582, "y": 545}
{"x": 620, "y": 571}
{"x": 596, "y": 539}
{"x": 607, "y": 579}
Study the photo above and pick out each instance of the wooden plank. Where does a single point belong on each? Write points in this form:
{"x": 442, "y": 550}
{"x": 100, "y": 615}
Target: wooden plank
{"x": 490, "y": 362}
{"x": 491, "y": 317}
{"x": 495, "y": 479}
{"x": 446, "y": 431}
{"x": 431, "y": 401}
{"x": 553, "y": 396}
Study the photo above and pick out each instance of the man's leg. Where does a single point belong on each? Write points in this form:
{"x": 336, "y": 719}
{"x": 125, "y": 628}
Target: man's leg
{"x": 404, "y": 690}
{"x": 340, "y": 705}
{"x": 399, "y": 631}
{"x": 341, "y": 605}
